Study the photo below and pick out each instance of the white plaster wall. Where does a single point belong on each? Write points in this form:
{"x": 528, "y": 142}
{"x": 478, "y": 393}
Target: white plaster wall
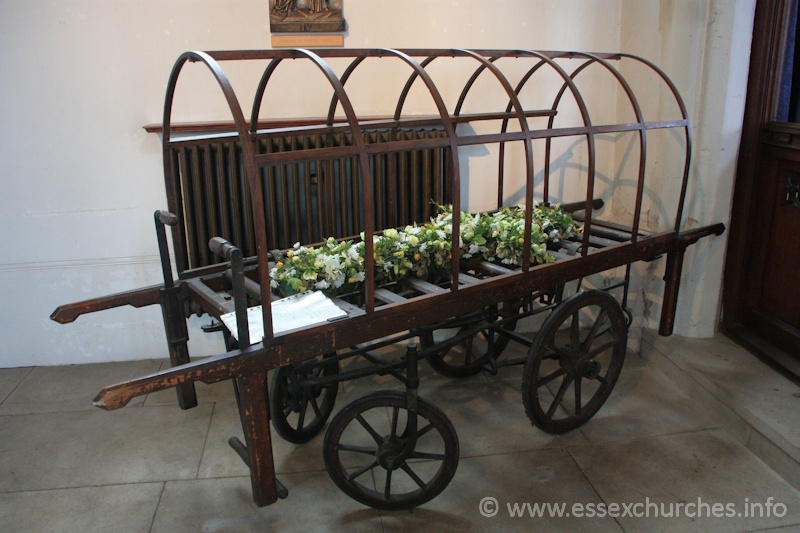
{"x": 82, "y": 178}
{"x": 704, "y": 46}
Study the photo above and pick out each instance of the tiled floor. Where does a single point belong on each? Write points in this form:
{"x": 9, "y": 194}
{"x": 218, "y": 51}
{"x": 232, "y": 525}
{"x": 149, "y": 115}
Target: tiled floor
{"x": 691, "y": 424}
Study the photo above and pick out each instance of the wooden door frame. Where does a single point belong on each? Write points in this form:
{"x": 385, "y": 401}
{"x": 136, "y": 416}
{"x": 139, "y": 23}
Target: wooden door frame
{"x": 769, "y": 28}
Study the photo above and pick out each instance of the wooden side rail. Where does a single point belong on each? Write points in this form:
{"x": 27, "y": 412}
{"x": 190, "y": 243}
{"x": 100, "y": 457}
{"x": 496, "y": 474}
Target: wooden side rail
{"x": 64, "y": 314}
{"x": 297, "y": 345}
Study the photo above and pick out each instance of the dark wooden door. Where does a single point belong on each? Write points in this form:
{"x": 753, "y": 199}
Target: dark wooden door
{"x": 762, "y": 280}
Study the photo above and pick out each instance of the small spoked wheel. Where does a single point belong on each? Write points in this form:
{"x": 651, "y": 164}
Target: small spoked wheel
{"x": 574, "y": 361}
{"x": 478, "y": 342}
{"x": 299, "y": 408}
{"x": 364, "y": 451}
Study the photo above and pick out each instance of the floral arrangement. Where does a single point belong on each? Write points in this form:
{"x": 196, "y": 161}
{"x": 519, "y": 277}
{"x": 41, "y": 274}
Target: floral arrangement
{"x": 422, "y": 251}
{"x": 331, "y": 266}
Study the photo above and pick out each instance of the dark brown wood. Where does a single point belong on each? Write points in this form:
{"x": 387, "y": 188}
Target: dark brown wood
{"x": 253, "y": 394}
{"x": 672, "y": 278}
{"x": 145, "y": 296}
{"x": 762, "y": 259}
{"x": 299, "y": 345}
{"x": 177, "y": 335}
{"x": 758, "y": 111}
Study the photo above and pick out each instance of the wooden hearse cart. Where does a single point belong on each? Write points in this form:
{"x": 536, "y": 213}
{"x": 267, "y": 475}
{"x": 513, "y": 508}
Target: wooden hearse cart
{"x": 239, "y": 201}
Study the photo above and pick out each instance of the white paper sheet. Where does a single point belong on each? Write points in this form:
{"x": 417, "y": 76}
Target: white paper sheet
{"x": 293, "y": 312}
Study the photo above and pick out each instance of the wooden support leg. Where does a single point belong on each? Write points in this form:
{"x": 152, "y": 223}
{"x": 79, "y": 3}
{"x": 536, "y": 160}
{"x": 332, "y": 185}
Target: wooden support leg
{"x": 672, "y": 277}
{"x": 177, "y": 337}
{"x": 254, "y": 411}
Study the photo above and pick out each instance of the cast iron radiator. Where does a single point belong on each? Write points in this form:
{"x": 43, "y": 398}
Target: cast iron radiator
{"x": 305, "y": 201}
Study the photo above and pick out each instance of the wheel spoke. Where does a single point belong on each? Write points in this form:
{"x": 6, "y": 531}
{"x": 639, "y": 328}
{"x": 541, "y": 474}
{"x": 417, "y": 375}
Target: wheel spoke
{"x": 315, "y": 407}
{"x": 302, "y": 416}
{"x": 575, "y": 329}
{"x": 357, "y": 449}
{"x": 601, "y": 318}
{"x": 365, "y": 425}
{"x": 600, "y": 349}
{"x": 555, "y": 349}
{"x": 395, "y": 412}
{"x": 361, "y": 470}
{"x": 560, "y": 396}
{"x": 421, "y": 432}
{"x": 426, "y": 455}
{"x": 547, "y": 379}
{"x": 468, "y": 350}
{"x": 413, "y": 475}
{"x": 578, "y": 396}
{"x": 387, "y": 489}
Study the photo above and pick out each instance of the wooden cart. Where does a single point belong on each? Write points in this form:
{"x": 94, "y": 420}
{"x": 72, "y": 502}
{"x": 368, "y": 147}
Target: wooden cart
{"x": 236, "y": 199}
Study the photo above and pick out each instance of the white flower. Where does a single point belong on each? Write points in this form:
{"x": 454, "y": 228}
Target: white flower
{"x": 321, "y": 285}
{"x": 331, "y": 266}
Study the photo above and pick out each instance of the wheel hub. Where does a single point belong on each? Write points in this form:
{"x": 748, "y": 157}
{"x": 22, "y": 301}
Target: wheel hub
{"x": 577, "y": 364}
{"x": 589, "y": 369}
{"x": 389, "y": 452}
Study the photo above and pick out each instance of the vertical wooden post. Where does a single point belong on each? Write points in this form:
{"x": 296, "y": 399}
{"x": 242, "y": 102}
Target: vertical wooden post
{"x": 254, "y": 412}
{"x": 177, "y": 337}
{"x": 174, "y": 322}
{"x": 672, "y": 277}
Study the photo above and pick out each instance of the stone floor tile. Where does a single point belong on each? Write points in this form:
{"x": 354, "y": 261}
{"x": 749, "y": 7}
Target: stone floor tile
{"x": 10, "y": 378}
{"x": 732, "y": 373}
{"x": 118, "y": 508}
{"x": 84, "y": 448}
{"x": 225, "y": 504}
{"x": 536, "y": 478}
{"x": 219, "y": 459}
{"x": 490, "y": 419}
{"x": 71, "y": 387}
{"x": 707, "y": 466}
{"x": 647, "y": 403}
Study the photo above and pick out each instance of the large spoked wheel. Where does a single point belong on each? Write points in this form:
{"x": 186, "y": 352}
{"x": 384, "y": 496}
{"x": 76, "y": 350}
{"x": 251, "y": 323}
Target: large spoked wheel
{"x": 574, "y": 362}
{"x": 481, "y": 341}
{"x": 365, "y": 439}
{"x": 299, "y": 410}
